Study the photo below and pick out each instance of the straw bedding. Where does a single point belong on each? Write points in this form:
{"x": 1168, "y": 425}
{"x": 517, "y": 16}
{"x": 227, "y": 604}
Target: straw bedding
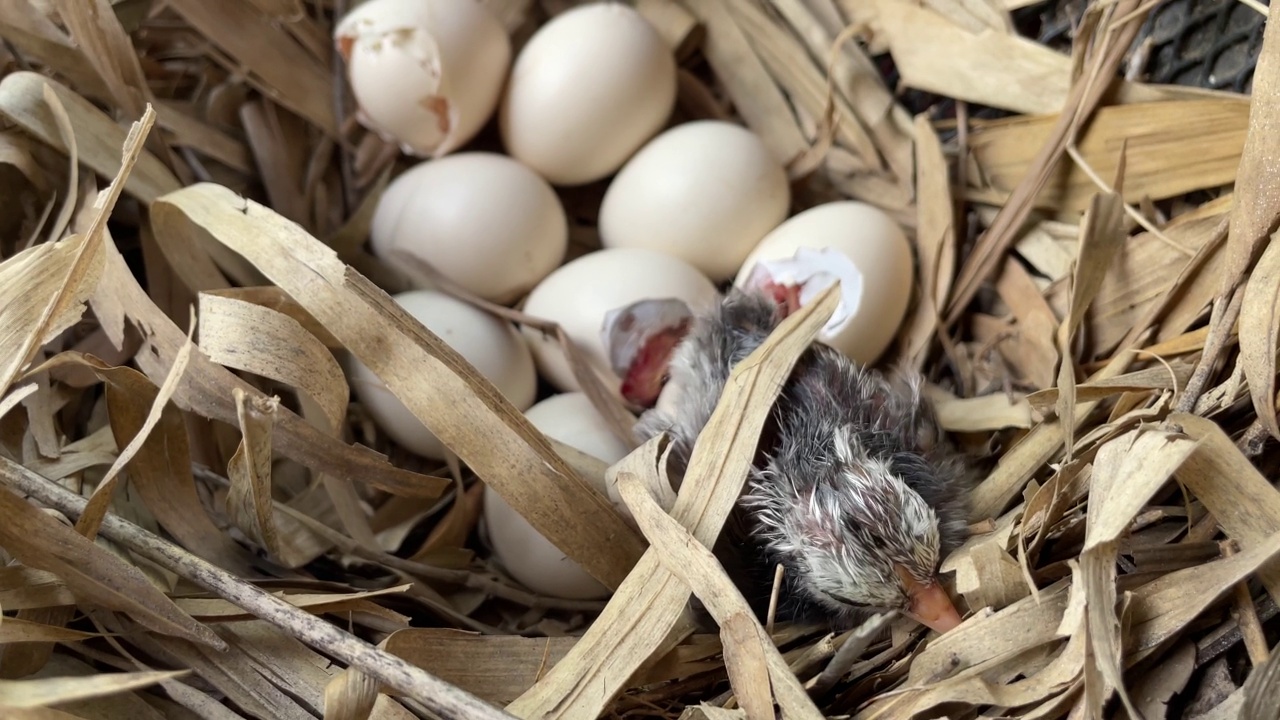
{"x": 197, "y": 522}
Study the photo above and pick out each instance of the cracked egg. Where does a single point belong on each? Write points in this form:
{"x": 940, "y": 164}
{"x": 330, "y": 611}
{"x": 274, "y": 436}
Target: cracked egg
{"x": 426, "y": 74}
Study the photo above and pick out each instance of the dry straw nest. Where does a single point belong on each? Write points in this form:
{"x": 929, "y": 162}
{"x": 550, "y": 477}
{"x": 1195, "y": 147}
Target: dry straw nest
{"x": 196, "y": 523}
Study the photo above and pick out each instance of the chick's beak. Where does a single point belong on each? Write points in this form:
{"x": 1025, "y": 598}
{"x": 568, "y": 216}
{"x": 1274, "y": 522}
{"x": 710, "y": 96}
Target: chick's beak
{"x": 930, "y": 605}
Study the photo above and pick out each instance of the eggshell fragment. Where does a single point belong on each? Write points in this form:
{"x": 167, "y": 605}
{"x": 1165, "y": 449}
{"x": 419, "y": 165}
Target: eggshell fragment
{"x": 426, "y": 74}
{"x": 528, "y": 556}
{"x": 483, "y": 220}
{"x": 580, "y": 295}
{"x": 490, "y": 344}
{"x": 587, "y": 90}
{"x": 706, "y": 192}
{"x": 851, "y": 241}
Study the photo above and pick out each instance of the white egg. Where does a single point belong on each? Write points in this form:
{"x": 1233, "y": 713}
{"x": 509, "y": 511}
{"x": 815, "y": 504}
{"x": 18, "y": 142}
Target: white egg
{"x": 426, "y": 74}
{"x": 579, "y": 296}
{"x": 529, "y": 557}
{"x": 705, "y": 192}
{"x": 490, "y": 344}
{"x": 587, "y": 90}
{"x": 858, "y": 244}
{"x": 483, "y": 220}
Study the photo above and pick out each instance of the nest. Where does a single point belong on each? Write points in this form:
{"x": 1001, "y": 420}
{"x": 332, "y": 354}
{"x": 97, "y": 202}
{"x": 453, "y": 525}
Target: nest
{"x": 197, "y": 522}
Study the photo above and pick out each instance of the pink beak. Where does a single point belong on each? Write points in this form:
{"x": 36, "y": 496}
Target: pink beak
{"x": 930, "y": 605}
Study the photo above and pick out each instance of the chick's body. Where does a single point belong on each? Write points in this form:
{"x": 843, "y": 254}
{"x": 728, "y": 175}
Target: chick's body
{"x": 854, "y": 489}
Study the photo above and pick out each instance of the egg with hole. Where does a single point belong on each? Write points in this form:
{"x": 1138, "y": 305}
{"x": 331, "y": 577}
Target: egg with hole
{"x": 426, "y": 74}
{"x": 706, "y": 192}
{"x": 490, "y": 344}
{"x": 852, "y": 242}
{"x": 483, "y": 220}
{"x": 586, "y": 91}
{"x": 623, "y": 309}
{"x": 528, "y": 556}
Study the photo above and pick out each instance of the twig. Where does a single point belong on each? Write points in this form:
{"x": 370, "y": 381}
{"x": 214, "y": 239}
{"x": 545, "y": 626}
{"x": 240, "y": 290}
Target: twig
{"x": 1222, "y": 320}
{"x": 1261, "y": 9}
{"x": 1255, "y": 641}
{"x": 440, "y": 697}
{"x": 854, "y": 645}
{"x": 773, "y": 599}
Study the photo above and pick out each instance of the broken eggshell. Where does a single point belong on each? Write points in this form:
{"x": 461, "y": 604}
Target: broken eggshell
{"x": 426, "y": 74}
{"x": 491, "y": 345}
{"x": 483, "y": 220}
{"x": 849, "y": 241}
{"x": 529, "y": 557}
{"x": 640, "y": 339}
{"x": 591, "y": 299}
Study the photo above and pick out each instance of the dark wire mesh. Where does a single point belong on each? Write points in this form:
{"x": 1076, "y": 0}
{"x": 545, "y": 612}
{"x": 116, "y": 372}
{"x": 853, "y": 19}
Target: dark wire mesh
{"x": 1200, "y": 43}
{"x": 1205, "y": 43}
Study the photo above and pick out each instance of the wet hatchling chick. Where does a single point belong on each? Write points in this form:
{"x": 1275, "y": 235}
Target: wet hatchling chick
{"x": 855, "y": 490}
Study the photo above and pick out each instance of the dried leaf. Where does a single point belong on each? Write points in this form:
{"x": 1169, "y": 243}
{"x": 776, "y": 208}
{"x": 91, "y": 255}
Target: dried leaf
{"x": 1085, "y": 95}
{"x": 1026, "y": 458}
{"x": 428, "y": 376}
{"x": 497, "y": 669}
{"x": 985, "y": 66}
{"x": 649, "y": 464}
{"x": 1255, "y": 209}
{"x": 746, "y": 664}
{"x": 280, "y": 68}
{"x": 753, "y": 92}
{"x": 991, "y": 578}
{"x": 1244, "y": 503}
{"x": 750, "y": 655}
{"x": 160, "y": 471}
{"x": 91, "y": 519}
{"x": 55, "y": 691}
{"x": 70, "y": 277}
{"x": 1032, "y": 350}
{"x": 247, "y": 336}
{"x": 1171, "y": 377}
{"x": 98, "y": 137}
{"x": 31, "y": 284}
{"x": 16, "y": 630}
{"x": 208, "y": 389}
{"x": 1101, "y": 237}
{"x": 935, "y": 244}
{"x": 97, "y": 31}
{"x": 1164, "y": 607}
{"x": 1028, "y": 623}
{"x": 92, "y": 573}
{"x": 1165, "y": 156}
{"x": 350, "y": 695}
{"x": 1260, "y": 311}
{"x": 248, "y": 502}
{"x": 1127, "y": 473}
{"x": 979, "y": 414}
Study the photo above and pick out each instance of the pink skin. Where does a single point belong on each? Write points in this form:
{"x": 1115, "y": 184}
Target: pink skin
{"x": 646, "y": 374}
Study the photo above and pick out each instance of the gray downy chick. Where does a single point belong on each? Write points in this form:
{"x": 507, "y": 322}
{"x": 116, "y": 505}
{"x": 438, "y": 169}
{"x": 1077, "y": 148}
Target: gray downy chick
{"x": 855, "y": 490}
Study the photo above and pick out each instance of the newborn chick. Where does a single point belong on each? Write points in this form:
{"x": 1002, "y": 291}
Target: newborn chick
{"x": 854, "y": 490}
